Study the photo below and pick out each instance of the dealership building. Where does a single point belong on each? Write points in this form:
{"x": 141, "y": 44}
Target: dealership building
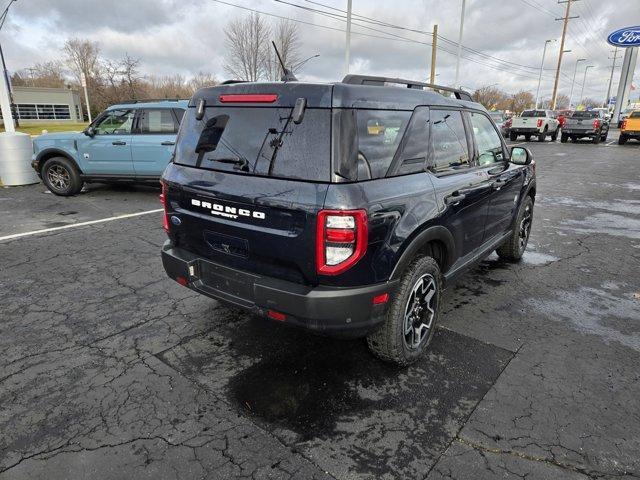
{"x": 36, "y": 104}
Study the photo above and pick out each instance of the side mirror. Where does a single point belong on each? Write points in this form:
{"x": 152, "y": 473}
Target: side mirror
{"x": 521, "y": 156}
{"x": 89, "y": 131}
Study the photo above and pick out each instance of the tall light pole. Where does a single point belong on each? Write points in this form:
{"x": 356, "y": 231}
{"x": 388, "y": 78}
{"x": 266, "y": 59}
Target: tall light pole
{"x": 544, "y": 52}
{"x": 613, "y": 67}
{"x": 573, "y": 82}
{"x": 584, "y": 79}
{"x": 6, "y": 100}
{"x": 455, "y": 83}
{"x": 347, "y": 50}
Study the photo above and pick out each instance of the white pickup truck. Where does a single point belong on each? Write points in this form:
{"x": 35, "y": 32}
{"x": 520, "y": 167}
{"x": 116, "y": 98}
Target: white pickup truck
{"x": 535, "y": 122}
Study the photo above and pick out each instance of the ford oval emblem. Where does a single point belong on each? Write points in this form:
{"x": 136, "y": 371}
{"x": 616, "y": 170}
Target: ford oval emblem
{"x": 625, "y": 37}
{"x": 176, "y": 220}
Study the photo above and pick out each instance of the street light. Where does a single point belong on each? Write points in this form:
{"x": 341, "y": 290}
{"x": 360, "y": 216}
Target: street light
{"x": 299, "y": 64}
{"x": 9, "y": 124}
{"x": 586, "y": 69}
{"x": 544, "y": 52}
{"x": 575, "y": 70}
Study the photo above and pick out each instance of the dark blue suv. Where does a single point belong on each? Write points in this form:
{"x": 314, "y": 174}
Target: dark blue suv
{"x": 342, "y": 208}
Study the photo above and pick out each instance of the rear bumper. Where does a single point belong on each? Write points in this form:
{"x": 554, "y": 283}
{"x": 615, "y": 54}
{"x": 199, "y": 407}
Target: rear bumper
{"x": 631, "y": 133}
{"x": 577, "y": 131}
{"x": 523, "y": 130}
{"x": 329, "y": 310}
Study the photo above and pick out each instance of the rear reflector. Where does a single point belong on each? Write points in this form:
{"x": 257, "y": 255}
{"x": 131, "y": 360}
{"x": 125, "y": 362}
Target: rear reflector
{"x": 276, "y": 315}
{"x": 163, "y": 201}
{"x": 248, "y": 98}
{"x": 380, "y": 299}
{"x": 182, "y": 281}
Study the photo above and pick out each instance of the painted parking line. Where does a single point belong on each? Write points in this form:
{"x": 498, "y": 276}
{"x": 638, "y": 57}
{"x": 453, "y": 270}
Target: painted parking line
{"x": 80, "y": 224}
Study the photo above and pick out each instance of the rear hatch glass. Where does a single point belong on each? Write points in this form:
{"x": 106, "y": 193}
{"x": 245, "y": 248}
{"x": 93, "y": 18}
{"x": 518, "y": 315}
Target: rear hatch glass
{"x": 258, "y": 141}
{"x": 585, "y": 115}
{"x": 534, "y": 113}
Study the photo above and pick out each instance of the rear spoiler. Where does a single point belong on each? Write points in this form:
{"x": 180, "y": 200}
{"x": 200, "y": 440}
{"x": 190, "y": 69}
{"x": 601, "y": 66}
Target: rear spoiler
{"x": 386, "y": 81}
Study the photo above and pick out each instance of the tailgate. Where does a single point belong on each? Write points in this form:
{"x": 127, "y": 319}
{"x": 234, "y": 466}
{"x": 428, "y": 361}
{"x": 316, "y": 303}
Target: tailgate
{"x": 260, "y": 225}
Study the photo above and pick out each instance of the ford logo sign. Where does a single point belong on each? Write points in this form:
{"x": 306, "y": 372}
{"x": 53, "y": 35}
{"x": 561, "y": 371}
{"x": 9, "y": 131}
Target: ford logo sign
{"x": 625, "y": 37}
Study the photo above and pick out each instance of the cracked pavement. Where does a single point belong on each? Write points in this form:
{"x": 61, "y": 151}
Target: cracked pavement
{"x": 111, "y": 370}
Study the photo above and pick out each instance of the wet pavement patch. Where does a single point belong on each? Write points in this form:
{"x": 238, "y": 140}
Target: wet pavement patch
{"x": 332, "y": 400}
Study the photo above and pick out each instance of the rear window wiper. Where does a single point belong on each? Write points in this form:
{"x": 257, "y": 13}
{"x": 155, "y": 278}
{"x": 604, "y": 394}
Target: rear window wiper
{"x": 238, "y": 163}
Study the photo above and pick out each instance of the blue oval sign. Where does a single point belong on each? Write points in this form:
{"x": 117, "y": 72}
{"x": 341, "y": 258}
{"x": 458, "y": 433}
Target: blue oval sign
{"x": 625, "y": 37}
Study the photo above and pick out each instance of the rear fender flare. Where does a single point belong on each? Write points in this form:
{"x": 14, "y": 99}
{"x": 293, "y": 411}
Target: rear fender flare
{"x": 438, "y": 233}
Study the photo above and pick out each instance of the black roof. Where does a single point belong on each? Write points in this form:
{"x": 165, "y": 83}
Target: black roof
{"x": 355, "y": 91}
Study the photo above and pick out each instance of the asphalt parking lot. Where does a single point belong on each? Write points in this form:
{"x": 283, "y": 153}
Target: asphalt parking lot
{"x": 111, "y": 370}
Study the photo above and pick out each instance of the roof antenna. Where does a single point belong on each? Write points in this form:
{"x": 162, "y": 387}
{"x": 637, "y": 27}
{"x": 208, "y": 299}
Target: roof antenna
{"x": 287, "y": 75}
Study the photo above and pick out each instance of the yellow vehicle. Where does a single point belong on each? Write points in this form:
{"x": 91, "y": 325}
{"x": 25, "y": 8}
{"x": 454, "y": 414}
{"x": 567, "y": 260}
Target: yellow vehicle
{"x": 630, "y": 127}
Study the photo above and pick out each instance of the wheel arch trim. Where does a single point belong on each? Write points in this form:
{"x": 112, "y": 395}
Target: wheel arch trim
{"x": 55, "y": 152}
{"x": 434, "y": 233}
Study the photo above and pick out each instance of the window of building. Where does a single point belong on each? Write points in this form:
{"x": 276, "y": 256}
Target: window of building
{"x": 29, "y": 111}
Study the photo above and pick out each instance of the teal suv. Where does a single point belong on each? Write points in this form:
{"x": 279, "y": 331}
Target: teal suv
{"x": 131, "y": 142}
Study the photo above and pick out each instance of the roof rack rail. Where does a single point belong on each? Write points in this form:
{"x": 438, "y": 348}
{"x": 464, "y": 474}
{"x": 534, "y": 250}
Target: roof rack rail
{"x": 149, "y": 100}
{"x": 231, "y": 82}
{"x": 381, "y": 81}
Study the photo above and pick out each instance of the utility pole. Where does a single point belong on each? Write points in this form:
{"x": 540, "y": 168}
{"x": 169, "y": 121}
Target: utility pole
{"x": 615, "y": 56}
{"x": 573, "y": 82}
{"x": 434, "y": 49}
{"x": 347, "y": 50}
{"x": 544, "y": 52}
{"x": 565, "y": 19}
{"x": 455, "y": 83}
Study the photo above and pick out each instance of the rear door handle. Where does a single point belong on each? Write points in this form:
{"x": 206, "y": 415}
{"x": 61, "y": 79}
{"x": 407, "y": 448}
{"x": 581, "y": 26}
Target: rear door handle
{"x": 455, "y": 197}
{"x": 498, "y": 184}
{"x": 168, "y": 143}
{"x": 118, "y": 142}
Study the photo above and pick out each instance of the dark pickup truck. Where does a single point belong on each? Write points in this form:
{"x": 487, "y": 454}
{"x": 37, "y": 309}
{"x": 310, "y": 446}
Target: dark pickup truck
{"x": 592, "y": 124}
{"x": 342, "y": 208}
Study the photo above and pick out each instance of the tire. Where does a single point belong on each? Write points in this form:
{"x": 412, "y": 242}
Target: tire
{"x": 554, "y": 136}
{"x": 573, "y": 139}
{"x": 622, "y": 140}
{"x": 61, "y": 177}
{"x": 513, "y": 136}
{"x": 596, "y": 139}
{"x": 392, "y": 342}
{"x": 564, "y": 137}
{"x": 515, "y": 246}
{"x": 604, "y": 136}
{"x": 527, "y": 137}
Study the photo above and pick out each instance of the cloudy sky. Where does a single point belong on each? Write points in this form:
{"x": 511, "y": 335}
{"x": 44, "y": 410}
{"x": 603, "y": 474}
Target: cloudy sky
{"x": 185, "y": 36}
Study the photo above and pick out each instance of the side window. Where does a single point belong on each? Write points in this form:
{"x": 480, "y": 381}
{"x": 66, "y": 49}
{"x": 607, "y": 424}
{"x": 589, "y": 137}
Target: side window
{"x": 487, "y": 140}
{"x": 450, "y": 148}
{"x": 415, "y": 148}
{"x": 379, "y": 134}
{"x": 158, "y": 120}
{"x": 115, "y": 122}
{"x": 179, "y": 113}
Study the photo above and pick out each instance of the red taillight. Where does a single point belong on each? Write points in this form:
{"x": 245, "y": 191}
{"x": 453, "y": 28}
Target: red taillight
{"x": 596, "y": 124}
{"x": 539, "y": 122}
{"x": 248, "y": 98}
{"x": 281, "y": 317}
{"x": 507, "y": 123}
{"x": 182, "y": 281}
{"x": 163, "y": 201}
{"x": 624, "y": 124}
{"x": 341, "y": 240}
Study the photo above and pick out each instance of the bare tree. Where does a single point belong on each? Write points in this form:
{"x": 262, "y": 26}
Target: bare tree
{"x": 287, "y": 39}
{"x": 202, "y": 79}
{"x": 590, "y": 102}
{"x": 247, "y": 44}
{"x": 168, "y": 86}
{"x": 490, "y": 97}
{"x": 48, "y": 74}
{"x": 82, "y": 58}
{"x": 131, "y": 75}
{"x": 521, "y": 101}
{"x": 562, "y": 102}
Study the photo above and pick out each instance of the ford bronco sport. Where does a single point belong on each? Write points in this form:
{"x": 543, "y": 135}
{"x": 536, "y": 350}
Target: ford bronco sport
{"x": 342, "y": 208}
{"x": 128, "y": 142}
